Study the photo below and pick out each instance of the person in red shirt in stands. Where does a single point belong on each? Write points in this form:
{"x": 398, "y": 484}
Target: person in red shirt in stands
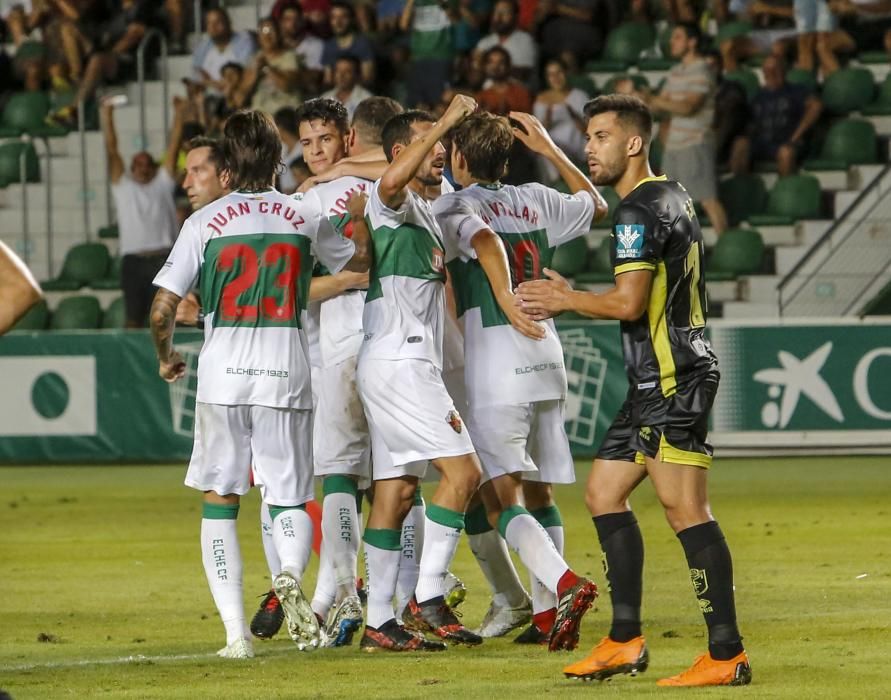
{"x": 501, "y": 93}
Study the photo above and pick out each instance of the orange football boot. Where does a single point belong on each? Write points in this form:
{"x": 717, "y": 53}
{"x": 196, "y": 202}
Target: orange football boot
{"x": 610, "y": 658}
{"x": 708, "y": 671}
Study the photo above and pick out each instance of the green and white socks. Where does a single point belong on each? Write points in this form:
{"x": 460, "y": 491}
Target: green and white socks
{"x": 221, "y": 556}
{"x": 442, "y": 532}
{"x": 383, "y": 549}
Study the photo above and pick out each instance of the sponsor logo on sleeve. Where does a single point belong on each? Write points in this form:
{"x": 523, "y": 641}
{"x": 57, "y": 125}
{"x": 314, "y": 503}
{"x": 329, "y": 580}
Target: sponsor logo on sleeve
{"x": 629, "y": 241}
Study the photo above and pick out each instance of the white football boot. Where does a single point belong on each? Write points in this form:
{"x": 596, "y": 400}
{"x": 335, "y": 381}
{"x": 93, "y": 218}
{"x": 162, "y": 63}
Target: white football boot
{"x": 302, "y": 623}
{"x": 239, "y": 649}
{"x": 500, "y": 620}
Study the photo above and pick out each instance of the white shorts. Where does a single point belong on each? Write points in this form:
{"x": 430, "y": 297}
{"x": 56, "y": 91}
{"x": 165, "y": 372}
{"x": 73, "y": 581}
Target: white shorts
{"x": 340, "y": 431}
{"x": 411, "y": 416}
{"x": 276, "y": 442}
{"x": 528, "y": 438}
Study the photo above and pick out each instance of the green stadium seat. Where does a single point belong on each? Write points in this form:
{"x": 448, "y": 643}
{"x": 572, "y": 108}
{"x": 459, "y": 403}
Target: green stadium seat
{"x": 36, "y": 319}
{"x": 800, "y": 76}
{"x": 792, "y": 198}
{"x": 570, "y": 258}
{"x": 110, "y": 231}
{"x": 25, "y": 113}
{"x": 848, "y": 142}
{"x": 739, "y": 251}
{"x": 624, "y": 45}
{"x": 747, "y": 79}
{"x": 873, "y": 57}
{"x": 742, "y": 197}
{"x": 612, "y": 199}
{"x": 882, "y": 104}
{"x": 732, "y": 30}
{"x": 599, "y": 270}
{"x": 848, "y": 90}
{"x": 10, "y": 155}
{"x": 83, "y": 264}
{"x": 115, "y": 315}
{"x": 76, "y": 313}
{"x": 112, "y": 278}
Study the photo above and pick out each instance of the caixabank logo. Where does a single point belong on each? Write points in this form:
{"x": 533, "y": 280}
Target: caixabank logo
{"x": 48, "y": 395}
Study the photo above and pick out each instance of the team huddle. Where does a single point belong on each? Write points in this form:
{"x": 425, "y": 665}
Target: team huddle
{"x": 378, "y": 329}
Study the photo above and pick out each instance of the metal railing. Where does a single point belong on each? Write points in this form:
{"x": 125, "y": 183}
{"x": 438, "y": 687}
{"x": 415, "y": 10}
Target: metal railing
{"x": 84, "y": 167}
{"x": 48, "y": 188}
{"x": 26, "y": 218}
{"x": 808, "y": 272}
{"x": 140, "y": 77}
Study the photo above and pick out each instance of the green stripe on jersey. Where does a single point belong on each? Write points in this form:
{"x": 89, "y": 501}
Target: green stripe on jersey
{"x": 256, "y": 280}
{"x": 527, "y": 253}
{"x": 406, "y": 251}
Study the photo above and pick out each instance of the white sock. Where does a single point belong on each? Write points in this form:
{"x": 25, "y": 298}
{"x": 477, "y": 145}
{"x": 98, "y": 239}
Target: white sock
{"x": 340, "y": 533}
{"x": 272, "y": 560}
{"x": 542, "y": 598}
{"x": 410, "y": 561}
{"x": 292, "y": 532}
{"x": 221, "y": 556}
{"x": 323, "y": 596}
{"x": 530, "y": 540}
{"x": 383, "y": 567}
{"x": 492, "y": 555}
{"x": 440, "y": 543}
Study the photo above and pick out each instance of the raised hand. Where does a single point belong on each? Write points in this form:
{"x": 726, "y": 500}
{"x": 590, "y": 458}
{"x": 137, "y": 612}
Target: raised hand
{"x": 460, "y": 107}
{"x": 531, "y": 132}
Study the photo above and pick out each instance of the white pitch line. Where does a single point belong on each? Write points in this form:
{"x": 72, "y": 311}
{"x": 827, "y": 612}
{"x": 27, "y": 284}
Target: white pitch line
{"x": 138, "y": 659}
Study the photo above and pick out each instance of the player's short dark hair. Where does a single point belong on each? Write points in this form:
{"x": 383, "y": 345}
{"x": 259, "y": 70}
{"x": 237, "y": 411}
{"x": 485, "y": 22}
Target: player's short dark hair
{"x": 484, "y": 140}
{"x": 326, "y": 110}
{"x": 692, "y": 30}
{"x": 252, "y": 150}
{"x": 398, "y": 129}
{"x": 286, "y": 119}
{"x": 370, "y": 116}
{"x": 630, "y": 110}
{"x": 352, "y": 60}
{"x": 192, "y": 130}
{"x": 498, "y": 49}
{"x": 215, "y": 152}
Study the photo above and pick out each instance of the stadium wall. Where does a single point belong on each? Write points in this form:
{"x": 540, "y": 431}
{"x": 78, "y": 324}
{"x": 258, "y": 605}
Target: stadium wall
{"x": 802, "y": 387}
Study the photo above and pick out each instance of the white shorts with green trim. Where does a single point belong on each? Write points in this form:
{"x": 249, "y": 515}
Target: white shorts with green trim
{"x": 528, "y": 438}
{"x": 275, "y": 442}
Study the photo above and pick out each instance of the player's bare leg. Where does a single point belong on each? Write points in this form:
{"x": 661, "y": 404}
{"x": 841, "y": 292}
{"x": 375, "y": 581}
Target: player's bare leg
{"x": 443, "y": 522}
{"x": 623, "y": 650}
{"x": 524, "y": 534}
{"x": 383, "y": 544}
{"x": 683, "y": 491}
{"x": 221, "y": 556}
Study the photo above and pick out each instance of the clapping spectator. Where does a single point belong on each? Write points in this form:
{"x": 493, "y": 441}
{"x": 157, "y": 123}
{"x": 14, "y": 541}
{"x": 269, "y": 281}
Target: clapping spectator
{"x": 782, "y": 116}
{"x": 307, "y": 47}
{"x": 271, "y": 77}
{"x": 220, "y": 46}
{"x": 429, "y": 23}
{"x": 347, "y": 41}
{"x": 520, "y": 46}
{"x": 560, "y": 108}
{"x": 346, "y": 88}
{"x": 502, "y": 93}
{"x": 688, "y": 103}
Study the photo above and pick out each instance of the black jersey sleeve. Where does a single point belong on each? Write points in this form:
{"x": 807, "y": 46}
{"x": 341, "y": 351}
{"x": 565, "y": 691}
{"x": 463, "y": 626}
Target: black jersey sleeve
{"x": 638, "y": 239}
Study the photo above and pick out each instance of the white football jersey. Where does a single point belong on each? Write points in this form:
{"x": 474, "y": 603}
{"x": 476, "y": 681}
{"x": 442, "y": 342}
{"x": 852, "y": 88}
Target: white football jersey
{"x": 340, "y": 317}
{"x": 253, "y": 254}
{"x": 501, "y": 365}
{"x": 405, "y": 304}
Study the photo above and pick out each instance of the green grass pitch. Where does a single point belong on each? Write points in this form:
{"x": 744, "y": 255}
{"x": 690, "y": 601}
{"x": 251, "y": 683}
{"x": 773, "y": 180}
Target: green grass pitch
{"x": 102, "y": 594}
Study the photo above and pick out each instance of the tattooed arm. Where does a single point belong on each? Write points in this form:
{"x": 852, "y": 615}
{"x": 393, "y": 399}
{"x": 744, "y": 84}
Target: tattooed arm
{"x": 163, "y": 319}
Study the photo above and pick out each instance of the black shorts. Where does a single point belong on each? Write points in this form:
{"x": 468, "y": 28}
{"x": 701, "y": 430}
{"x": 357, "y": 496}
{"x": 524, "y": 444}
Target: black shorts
{"x": 675, "y": 429}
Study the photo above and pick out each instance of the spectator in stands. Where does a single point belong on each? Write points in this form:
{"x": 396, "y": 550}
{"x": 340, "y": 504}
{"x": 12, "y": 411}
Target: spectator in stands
{"x": 286, "y": 121}
{"x": 271, "y": 77}
{"x": 347, "y": 41}
{"x": 782, "y": 117}
{"x": 176, "y": 13}
{"x": 347, "y": 89}
{"x": 571, "y": 27}
{"x": 307, "y": 47}
{"x": 688, "y": 103}
{"x": 214, "y": 111}
{"x": 429, "y": 23}
{"x": 818, "y": 36}
{"x": 773, "y": 26}
{"x": 520, "y": 46}
{"x": 561, "y": 109}
{"x": 146, "y": 214}
{"x": 473, "y": 15}
{"x": 503, "y": 93}
{"x": 219, "y": 47}
{"x": 731, "y": 108}
{"x": 315, "y": 13}
{"x": 114, "y": 55}
{"x": 868, "y": 22}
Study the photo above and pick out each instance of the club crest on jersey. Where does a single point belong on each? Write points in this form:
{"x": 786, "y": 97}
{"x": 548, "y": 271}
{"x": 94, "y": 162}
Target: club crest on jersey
{"x": 438, "y": 260}
{"x": 454, "y": 420}
{"x": 629, "y": 239}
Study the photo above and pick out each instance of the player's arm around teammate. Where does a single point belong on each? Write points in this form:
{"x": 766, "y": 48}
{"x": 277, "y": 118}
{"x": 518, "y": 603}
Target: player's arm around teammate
{"x": 19, "y": 290}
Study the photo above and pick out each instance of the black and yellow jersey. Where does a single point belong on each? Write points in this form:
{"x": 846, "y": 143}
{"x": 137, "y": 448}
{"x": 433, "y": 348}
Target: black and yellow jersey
{"x": 655, "y": 228}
